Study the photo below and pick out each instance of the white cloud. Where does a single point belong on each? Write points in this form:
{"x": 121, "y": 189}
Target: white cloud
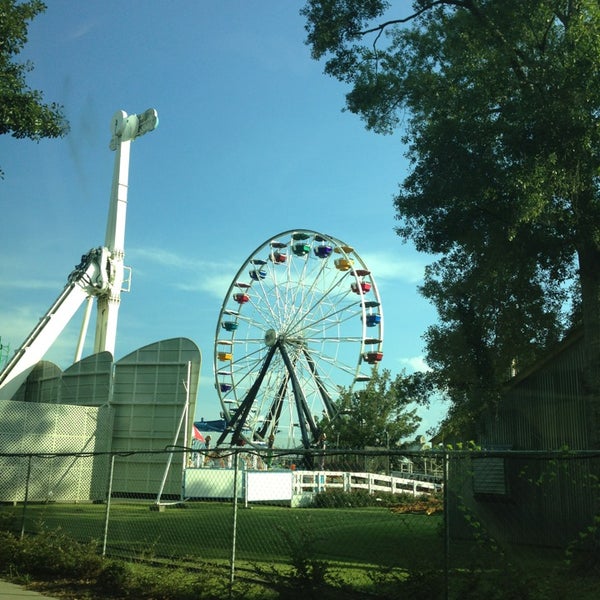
{"x": 216, "y": 285}
{"x": 161, "y": 256}
{"x": 393, "y": 267}
{"x": 31, "y": 284}
{"x": 190, "y": 273}
{"x": 81, "y": 30}
{"x": 414, "y": 363}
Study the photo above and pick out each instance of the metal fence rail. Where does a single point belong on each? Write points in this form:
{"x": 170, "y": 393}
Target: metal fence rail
{"x": 486, "y": 514}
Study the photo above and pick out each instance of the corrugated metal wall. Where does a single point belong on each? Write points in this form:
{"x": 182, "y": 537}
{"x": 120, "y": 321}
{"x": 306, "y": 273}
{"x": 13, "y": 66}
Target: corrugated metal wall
{"x": 545, "y": 410}
{"x": 548, "y": 499}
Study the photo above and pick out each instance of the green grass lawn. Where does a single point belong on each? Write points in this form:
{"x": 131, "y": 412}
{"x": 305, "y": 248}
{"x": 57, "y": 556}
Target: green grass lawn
{"x": 204, "y": 531}
{"x": 358, "y": 544}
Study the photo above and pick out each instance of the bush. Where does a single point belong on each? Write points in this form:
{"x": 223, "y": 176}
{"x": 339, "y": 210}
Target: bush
{"x": 8, "y": 521}
{"x": 144, "y": 581}
{"x": 113, "y": 577}
{"x": 9, "y": 546}
{"x": 335, "y": 498}
{"x": 48, "y": 555}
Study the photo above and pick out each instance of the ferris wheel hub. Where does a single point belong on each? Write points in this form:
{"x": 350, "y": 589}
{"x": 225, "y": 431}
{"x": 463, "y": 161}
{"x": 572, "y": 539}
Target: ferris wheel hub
{"x": 271, "y": 337}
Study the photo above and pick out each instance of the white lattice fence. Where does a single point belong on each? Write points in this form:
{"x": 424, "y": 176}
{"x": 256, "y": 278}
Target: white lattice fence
{"x": 52, "y": 434}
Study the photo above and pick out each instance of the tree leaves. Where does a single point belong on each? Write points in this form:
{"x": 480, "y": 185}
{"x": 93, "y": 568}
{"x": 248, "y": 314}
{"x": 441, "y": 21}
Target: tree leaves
{"x": 379, "y": 415}
{"x": 23, "y": 113}
{"x": 498, "y": 102}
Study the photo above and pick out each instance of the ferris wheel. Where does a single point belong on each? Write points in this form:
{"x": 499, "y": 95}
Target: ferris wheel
{"x": 302, "y": 321}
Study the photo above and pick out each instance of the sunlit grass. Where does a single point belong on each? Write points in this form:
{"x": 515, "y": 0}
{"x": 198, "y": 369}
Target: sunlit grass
{"x": 365, "y": 536}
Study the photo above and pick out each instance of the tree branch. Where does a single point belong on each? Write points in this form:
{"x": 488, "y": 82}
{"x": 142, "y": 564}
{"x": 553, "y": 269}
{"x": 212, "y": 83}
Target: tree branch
{"x": 380, "y": 28}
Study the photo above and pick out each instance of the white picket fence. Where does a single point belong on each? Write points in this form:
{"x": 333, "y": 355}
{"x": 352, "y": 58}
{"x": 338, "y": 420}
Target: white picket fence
{"x": 296, "y": 487}
{"x": 318, "y": 481}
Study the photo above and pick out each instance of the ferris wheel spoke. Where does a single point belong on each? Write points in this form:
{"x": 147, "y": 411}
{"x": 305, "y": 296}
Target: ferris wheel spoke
{"x": 327, "y": 400}
{"x": 272, "y": 317}
{"x": 247, "y": 364}
{"x": 301, "y": 292}
{"x": 261, "y": 317}
{"x": 324, "y": 304}
{"x": 312, "y": 290}
{"x": 274, "y": 413}
{"x": 325, "y": 295}
{"x": 334, "y": 362}
{"x": 328, "y": 318}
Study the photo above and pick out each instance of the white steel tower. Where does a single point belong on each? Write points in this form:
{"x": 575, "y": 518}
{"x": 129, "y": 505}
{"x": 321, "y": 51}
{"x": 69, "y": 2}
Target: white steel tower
{"x": 124, "y": 130}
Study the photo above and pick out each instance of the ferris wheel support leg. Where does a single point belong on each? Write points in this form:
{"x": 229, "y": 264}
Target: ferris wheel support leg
{"x": 274, "y": 414}
{"x": 239, "y": 420}
{"x": 301, "y": 405}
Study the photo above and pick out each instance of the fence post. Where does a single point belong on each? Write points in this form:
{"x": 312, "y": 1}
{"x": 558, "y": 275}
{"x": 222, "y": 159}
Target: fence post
{"x": 234, "y": 524}
{"x": 27, "y": 478}
{"x": 347, "y": 481}
{"x": 108, "y": 497}
{"x": 446, "y": 529}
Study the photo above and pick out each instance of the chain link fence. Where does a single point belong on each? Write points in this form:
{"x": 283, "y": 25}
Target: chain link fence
{"x": 435, "y": 524}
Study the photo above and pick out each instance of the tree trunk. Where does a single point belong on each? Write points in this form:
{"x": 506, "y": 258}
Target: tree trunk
{"x": 589, "y": 273}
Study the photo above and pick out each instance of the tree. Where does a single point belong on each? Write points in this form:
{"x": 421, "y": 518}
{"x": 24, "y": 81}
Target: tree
{"x": 500, "y": 102}
{"x": 23, "y": 114}
{"x": 378, "y": 415}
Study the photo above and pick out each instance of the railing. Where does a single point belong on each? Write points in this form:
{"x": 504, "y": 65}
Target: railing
{"x": 320, "y": 481}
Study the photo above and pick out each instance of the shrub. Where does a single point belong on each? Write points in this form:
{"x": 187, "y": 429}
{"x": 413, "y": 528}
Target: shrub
{"x": 8, "y": 521}
{"x": 48, "y": 555}
{"x": 113, "y": 577}
{"x": 336, "y": 498}
{"x": 144, "y": 581}
{"x": 9, "y": 547}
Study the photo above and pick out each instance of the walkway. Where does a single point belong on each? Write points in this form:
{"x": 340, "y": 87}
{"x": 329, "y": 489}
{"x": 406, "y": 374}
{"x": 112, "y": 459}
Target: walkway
{"x": 10, "y": 591}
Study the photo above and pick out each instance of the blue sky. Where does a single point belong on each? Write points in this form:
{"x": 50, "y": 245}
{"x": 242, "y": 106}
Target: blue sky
{"x": 252, "y": 141}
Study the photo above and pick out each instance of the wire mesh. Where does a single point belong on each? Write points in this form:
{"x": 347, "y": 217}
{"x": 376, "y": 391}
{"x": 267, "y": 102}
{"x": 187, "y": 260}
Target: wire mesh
{"x": 456, "y": 522}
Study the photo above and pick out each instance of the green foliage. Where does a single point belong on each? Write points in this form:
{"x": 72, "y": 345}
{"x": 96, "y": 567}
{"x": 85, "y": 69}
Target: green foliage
{"x": 378, "y": 415}
{"x": 9, "y": 549}
{"x": 469, "y": 446}
{"x": 23, "y": 113}
{"x": 498, "y": 103}
{"x": 506, "y": 581}
{"x": 308, "y": 576}
{"x": 52, "y": 555}
{"x": 335, "y": 498}
{"x": 426, "y": 584}
{"x": 8, "y": 521}
{"x": 49, "y": 555}
{"x": 142, "y": 581}
{"x": 114, "y": 577}
{"x": 408, "y": 544}
{"x": 583, "y": 553}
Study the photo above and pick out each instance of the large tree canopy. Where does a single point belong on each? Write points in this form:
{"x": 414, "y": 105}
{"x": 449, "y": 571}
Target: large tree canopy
{"x": 499, "y": 104}
{"x": 23, "y": 114}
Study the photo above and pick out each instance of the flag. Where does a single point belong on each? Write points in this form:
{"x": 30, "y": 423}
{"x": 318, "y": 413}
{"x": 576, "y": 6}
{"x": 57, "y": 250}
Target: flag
{"x": 197, "y": 435}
